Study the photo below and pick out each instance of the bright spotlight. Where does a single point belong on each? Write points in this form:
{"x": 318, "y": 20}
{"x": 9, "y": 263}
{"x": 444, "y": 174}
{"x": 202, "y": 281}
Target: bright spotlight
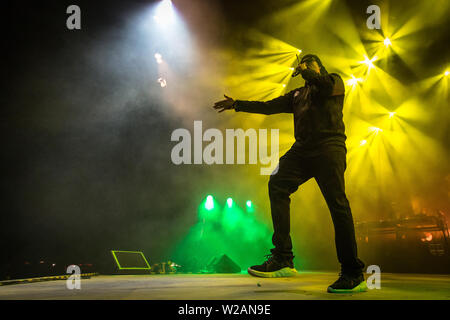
{"x": 162, "y": 82}
{"x": 164, "y": 12}
{"x": 391, "y": 114}
{"x": 369, "y": 62}
{"x": 299, "y": 51}
{"x": 353, "y": 81}
{"x": 387, "y": 42}
{"x": 375, "y": 129}
{"x": 427, "y": 237}
{"x": 284, "y": 86}
{"x": 249, "y": 204}
{"x": 446, "y": 73}
{"x": 362, "y": 142}
{"x": 229, "y": 202}
{"x": 209, "y": 204}
{"x": 158, "y": 58}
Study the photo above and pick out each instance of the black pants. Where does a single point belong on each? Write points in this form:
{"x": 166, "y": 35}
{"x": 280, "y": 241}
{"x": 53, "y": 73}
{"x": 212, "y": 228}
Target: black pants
{"x": 327, "y": 167}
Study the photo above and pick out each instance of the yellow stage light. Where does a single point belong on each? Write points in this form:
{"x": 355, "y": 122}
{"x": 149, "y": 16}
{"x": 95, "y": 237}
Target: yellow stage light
{"x": 353, "y": 81}
{"x": 369, "y": 62}
{"x": 387, "y": 42}
{"x": 363, "y": 142}
{"x": 391, "y": 114}
{"x": 446, "y": 73}
{"x": 375, "y": 129}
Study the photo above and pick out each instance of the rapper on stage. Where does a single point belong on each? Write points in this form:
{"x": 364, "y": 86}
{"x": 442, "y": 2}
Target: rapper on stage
{"x": 319, "y": 152}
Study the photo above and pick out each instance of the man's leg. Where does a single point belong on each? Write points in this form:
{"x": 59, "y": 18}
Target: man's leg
{"x": 329, "y": 174}
{"x": 293, "y": 170}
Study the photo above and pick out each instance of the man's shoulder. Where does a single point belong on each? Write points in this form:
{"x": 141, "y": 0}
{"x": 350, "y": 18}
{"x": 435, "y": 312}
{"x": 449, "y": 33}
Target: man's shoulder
{"x": 338, "y": 87}
{"x": 335, "y": 75}
{"x": 336, "y": 79}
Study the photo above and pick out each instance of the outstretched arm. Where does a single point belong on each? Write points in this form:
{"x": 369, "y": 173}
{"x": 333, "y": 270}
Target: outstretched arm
{"x": 226, "y": 104}
{"x": 281, "y": 104}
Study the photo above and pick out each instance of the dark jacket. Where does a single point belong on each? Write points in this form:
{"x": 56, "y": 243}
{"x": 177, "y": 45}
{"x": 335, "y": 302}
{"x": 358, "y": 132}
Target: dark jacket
{"x": 317, "y": 109}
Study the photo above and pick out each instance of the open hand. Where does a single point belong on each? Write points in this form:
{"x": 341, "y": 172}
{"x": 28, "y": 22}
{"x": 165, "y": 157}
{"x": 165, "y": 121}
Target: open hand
{"x": 223, "y": 105}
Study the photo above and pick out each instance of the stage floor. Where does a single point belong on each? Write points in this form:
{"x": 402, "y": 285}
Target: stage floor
{"x": 305, "y": 286}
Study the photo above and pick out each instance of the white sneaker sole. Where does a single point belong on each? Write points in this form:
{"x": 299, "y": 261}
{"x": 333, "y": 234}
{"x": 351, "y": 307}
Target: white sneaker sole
{"x": 284, "y": 272}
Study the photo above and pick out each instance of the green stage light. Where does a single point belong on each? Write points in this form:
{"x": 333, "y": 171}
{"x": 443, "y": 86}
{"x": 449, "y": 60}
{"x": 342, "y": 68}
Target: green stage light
{"x": 209, "y": 204}
{"x": 229, "y": 202}
{"x": 249, "y": 204}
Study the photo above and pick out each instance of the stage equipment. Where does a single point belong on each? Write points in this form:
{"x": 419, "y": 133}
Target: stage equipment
{"x": 168, "y": 267}
{"x": 222, "y": 264}
{"x": 417, "y": 227}
{"x": 130, "y": 262}
{"x": 418, "y": 243}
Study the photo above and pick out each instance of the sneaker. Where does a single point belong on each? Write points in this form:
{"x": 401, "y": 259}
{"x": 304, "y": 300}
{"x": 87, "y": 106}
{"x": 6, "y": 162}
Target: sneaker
{"x": 273, "y": 268}
{"x": 348, "y": 284}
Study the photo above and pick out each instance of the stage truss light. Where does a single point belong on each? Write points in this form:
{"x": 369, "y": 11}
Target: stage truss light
{"x": 369, "y": 62}
{"x": 158, "y": 58}
{"x": 164, "y": 13}
{"x": 446, "y": 73}
{"x": 162, "y": 82}
{"x": 387, "y": 42}
{"x": 375, "y": 130}
{"x": 229, "y": 202}
{"x": 391, "y": 114}
{"x": 427, "y": 237}
{"x": 209, "y": 204}
{"x": 353, "y": 81}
